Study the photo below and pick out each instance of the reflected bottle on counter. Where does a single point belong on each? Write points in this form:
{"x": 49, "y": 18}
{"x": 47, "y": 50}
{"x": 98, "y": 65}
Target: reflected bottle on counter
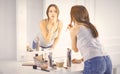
{"x": 50, "y": 59}
{"x": 37, "y": 47}
{"x": 68, "y": 57}
{"x": 36, "y": 44}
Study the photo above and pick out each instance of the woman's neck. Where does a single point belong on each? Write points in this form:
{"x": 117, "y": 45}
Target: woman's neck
{"x": 51, "y": 21}
{"x": 80, "y": 24}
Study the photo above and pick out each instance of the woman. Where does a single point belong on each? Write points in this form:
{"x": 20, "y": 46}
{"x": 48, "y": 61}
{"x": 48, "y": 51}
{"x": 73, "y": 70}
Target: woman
{"x": 84, "y": 38}
{"x": 50, "y": 28}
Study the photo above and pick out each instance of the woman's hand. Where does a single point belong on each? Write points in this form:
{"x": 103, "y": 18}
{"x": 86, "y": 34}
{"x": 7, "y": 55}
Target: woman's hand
{"x": 70, "y": 27}
{"x": 52, "y": 26}
{"x": 73, "y": 29}
{"x": 77, "y": 61}
{"x": 73, "y": 36}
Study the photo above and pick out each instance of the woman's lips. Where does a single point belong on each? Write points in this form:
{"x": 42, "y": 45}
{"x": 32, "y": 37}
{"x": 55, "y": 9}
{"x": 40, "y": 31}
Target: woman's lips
{"x": 52, "y": 16}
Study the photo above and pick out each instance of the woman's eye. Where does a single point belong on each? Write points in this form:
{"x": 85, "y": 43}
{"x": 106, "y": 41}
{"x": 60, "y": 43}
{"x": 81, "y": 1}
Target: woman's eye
{"x": 52, "y": 11}
{"x": 55, "y": 11}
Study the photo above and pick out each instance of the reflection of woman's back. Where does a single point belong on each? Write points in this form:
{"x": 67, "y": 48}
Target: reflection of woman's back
{"x": 42, "y": 40}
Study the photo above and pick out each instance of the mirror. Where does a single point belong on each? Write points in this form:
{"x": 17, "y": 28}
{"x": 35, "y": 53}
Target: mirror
{"x": 36, "y": 11}
{"x": 30, "y": 13}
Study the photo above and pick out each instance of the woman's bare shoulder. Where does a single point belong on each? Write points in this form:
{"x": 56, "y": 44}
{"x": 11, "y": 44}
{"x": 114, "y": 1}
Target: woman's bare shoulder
{"x": 42, "y": 22}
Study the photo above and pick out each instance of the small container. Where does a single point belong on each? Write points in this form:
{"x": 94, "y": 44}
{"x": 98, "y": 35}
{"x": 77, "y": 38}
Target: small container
{"x": 34, "y": 67}
{"x": 60, "y": 63}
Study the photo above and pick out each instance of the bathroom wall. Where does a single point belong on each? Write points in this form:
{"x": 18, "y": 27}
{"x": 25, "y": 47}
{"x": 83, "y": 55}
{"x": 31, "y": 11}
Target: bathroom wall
{"x": 107, "y": 22}
{"x": 8, "y": 30}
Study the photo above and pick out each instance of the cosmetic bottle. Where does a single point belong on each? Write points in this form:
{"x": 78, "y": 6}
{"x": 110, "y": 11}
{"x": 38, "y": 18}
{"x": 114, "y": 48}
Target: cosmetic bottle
{"x": 37, "y": 46}
{"x": 68, "y": 57}
{"x": 50, "y": 59}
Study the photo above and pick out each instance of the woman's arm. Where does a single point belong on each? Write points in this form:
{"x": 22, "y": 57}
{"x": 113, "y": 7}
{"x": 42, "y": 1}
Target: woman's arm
{"x": 47, "y": 34}
{"x": 73, "y": 36}
{"x": 59, "y": 32}
{"x": 74, "y": 43}
{"x": 77, "y": 60}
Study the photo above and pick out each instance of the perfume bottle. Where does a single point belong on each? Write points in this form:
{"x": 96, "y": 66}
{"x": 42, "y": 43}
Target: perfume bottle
{"x": 68, "y": 57}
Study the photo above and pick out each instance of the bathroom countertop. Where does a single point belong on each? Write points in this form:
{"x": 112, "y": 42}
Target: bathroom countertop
{"x": 74, "y": 69}
{"x": 14, "y": 67}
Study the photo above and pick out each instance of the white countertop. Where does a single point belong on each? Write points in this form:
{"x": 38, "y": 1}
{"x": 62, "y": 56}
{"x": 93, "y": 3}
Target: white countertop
{"x": 13, "y": 67}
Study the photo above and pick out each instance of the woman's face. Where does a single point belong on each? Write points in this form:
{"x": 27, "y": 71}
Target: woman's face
{"x": 52, "y": 13}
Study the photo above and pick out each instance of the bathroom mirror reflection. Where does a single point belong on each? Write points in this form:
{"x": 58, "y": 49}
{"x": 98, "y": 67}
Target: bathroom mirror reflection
{"x": 36, "y": 11}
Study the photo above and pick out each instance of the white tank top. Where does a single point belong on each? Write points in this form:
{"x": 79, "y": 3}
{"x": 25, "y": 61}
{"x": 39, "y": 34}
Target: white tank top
{"x": 88, "y": 45}
{"x": 42, "y": 40}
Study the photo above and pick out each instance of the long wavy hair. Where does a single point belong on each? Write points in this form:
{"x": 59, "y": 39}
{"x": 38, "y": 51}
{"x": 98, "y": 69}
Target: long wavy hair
{"x": 80, "y": 14}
